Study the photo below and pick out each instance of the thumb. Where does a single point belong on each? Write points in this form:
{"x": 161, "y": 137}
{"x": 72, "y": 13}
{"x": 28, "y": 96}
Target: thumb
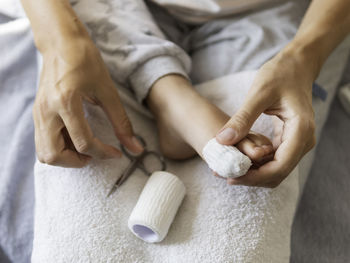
{"x": 241, "y": 122}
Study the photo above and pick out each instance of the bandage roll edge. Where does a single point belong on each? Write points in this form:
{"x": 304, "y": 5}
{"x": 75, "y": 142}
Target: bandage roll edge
{"x": 156, "y": 207}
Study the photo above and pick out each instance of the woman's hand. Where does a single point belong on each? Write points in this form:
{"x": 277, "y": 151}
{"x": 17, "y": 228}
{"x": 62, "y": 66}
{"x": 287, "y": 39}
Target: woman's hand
{"x": 282, "y": 87}
{"x": 72, "y": 72}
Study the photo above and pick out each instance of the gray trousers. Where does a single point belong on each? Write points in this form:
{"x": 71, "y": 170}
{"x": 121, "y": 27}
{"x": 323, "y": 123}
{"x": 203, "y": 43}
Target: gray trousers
{"x": 141, "y": 42}
{"x": 232, "y": 44}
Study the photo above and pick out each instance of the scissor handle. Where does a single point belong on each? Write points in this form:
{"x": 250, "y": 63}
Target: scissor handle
{"x": 137, "y": 161}
{"x": 161, "y": 159}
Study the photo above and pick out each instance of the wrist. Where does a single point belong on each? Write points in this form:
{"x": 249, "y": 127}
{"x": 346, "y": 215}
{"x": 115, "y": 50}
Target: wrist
{"x": 59, "y": 37}
{"x": 54, "y": 23}
{"x": 303, "y": 57}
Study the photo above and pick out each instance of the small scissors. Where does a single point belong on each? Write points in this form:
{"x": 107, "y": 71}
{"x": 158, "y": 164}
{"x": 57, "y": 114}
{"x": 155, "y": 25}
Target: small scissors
{"x": 137, "y": 161}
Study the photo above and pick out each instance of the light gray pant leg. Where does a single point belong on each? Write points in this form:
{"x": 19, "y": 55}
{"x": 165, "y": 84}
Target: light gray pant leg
{"x": 244, "y": 42}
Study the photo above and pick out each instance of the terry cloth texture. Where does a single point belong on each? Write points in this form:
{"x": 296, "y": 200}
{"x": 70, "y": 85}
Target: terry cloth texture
{"x": 157, "y": 206}
{"x": 254, "y": 38}
{"x": 75, "y": 222}
{"x": 226, "y": 161}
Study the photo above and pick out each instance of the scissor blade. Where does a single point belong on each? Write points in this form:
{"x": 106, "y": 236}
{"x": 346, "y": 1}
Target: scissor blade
{"x": 112, "y": 190}
{"x": 116, "y": 184}
{"x": 131, "y": 167}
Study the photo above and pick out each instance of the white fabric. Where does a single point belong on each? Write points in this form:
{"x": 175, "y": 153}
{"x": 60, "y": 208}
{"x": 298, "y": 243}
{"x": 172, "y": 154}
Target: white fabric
{"x": 226, "y": 161}
{"x": 157, "y": 206}
{"x": 75, "y": 222}
{"x": 200, "y": 11}
{"x": 12, "y": 8}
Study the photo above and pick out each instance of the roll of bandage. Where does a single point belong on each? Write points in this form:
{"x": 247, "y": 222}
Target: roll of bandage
{"x": 226, "y": 161}
{"x": 157, "y": 206}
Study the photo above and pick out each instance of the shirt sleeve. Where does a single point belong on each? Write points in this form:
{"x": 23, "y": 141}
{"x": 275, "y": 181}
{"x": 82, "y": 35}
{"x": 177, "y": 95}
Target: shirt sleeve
{"x": 133, "y": 47}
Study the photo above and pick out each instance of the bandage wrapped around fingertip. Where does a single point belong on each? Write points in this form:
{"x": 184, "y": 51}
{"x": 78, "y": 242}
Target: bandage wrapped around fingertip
{"x": 226, "y": 161}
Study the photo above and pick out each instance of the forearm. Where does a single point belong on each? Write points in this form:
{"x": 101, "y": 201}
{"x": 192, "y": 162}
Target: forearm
{"x": 324, "y": 26}
{"x": 53, "y": 22}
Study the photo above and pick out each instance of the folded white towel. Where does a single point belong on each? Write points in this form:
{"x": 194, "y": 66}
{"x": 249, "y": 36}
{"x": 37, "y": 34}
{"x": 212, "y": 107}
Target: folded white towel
{"x": 226, "y": 161}
{"x": 75, "y": 222}
{"x": 157, "y": 206}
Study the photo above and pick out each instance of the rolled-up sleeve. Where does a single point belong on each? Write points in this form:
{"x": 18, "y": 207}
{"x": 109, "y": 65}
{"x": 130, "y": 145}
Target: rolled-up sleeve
{"x": 145, "y": 75}
{"x": 133, "y": 47}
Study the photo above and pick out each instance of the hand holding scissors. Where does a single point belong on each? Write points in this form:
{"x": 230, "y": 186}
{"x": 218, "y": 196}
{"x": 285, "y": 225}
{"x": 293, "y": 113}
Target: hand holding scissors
{"x": 137, "y": 161}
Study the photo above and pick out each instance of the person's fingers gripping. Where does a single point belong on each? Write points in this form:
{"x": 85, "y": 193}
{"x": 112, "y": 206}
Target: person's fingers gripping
{"x": 240, "y": 123}
{"x": 256, "y": 146}
{"x": 298, "y": 138}
{"x": 50, "y": 143}
{"x": 110, "y": 102}
{"x": 80, "y": 132}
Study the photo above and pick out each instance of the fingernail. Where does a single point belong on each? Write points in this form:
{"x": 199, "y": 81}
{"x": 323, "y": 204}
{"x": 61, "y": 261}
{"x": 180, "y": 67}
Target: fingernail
{"x": 226, "y": 135}
{"x": 138, "y": 144}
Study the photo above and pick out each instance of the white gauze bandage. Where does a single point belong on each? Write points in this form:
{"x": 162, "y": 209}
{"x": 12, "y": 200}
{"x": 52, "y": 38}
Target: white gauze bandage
{"x": 157, "y": 206}
{"x": 226, "y": 161}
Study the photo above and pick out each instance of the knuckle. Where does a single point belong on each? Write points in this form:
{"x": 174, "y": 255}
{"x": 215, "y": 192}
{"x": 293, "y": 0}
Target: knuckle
{"x": 307, "y": 124}
{"x": 124, "y": 127}
{"x": 241, "y": 119}
{"x": 50, "y": 158}
{"x": 64, "y": 97}
{"x": 40, "y": 106}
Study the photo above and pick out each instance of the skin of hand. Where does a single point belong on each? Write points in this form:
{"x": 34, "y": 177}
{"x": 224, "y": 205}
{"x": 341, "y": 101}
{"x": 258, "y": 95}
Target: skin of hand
{"x": 277, "y": 90}
{"x": 283, "y": 87}
{"x": 73, "y": 72}
{"x": 186, "y": 121}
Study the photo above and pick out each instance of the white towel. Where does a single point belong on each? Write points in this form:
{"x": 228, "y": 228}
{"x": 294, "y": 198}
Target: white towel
{"x": 75, "y": 222}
